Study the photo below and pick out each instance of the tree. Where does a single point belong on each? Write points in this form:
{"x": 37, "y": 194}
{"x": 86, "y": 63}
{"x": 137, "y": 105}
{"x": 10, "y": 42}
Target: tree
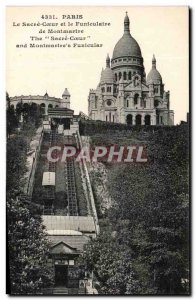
{"x": 28, "y": 249}
{"x": 27, "y": 243}
{"x": 150, "y": 216}
{"x": 12, "y": 121}
{"x": 154, "y": 199}
{"x": 112, "y": 265}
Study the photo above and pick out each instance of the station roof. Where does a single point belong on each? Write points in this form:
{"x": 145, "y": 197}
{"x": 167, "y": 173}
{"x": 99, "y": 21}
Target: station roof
{"x": 77, "y": 242}
{"x": 63, "y": 232}
{"x": 76, "y": 223}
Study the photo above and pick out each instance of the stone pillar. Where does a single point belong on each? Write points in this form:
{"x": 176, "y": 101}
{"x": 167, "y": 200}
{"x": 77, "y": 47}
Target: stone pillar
{"x": 143, "y": 119}
{"x": 139, "y": 102}
{"x": 153, "y": 119}
{"x": 134, "y": 120}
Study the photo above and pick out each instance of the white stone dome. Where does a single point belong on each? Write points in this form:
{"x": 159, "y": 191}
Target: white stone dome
{"x": 154, "y": 75}
{"x": 107, "y": 76}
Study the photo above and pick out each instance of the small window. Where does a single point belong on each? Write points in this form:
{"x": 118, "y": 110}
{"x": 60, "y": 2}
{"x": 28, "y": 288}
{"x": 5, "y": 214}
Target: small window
{"x": 127, "y": 103}
{"x": 136, "y": 99}
{"x": 129, "y": 76}
{"x": 109, "y": 102}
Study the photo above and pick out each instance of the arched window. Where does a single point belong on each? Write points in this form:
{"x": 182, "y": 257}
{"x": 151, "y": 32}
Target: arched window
{"x": 138, "y": 120}
{"x": 127, "y": 103}
{"x": 124, "y": 75}
{"x": 147, "y": 120}
{"x": 50, "y": 106}
{"x": 42, "y": 107}
{"x": 155, "y": 103}
{"x": 129, "y": 119}
{"x": 136, "y": 99}
{"x": 129, "y": 76}
{"x": 116, "y": 76}
{"x": 120, "y": 75}
{"x": 103, "y": 90}
{"x": 56, "y": 106}
{"x": 109, "y": 89}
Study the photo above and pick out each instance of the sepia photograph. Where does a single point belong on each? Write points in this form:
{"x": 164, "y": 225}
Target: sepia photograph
{"x": 98, "y": 151}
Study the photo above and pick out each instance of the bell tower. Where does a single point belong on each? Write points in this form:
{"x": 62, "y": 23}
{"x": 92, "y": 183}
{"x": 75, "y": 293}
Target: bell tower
{"x": 65, "y": 103}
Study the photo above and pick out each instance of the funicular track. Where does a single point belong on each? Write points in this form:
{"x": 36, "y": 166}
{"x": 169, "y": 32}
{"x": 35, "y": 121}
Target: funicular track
{"x": 55, "y": 139}
{"x": 70, "y": 179}
{"x": 49, "y": 191}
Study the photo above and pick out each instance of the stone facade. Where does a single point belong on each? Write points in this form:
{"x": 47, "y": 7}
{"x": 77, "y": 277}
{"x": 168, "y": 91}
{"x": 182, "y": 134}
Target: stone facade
{"x": 124, "y": 93}
{"x": 45, "y": 101}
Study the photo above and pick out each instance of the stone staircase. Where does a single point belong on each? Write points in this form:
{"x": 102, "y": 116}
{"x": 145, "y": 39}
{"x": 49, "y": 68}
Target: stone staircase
{"x": 60, "y": 290}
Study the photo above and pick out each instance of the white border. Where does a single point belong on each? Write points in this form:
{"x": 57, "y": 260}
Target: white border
{"x": 3, "y": 4}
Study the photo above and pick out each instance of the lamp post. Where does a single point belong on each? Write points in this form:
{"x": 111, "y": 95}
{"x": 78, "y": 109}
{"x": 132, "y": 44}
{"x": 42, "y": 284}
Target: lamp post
{"x": 85, "y": 284}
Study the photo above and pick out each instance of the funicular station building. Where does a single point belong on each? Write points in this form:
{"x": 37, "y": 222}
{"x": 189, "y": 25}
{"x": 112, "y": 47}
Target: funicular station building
{"x": 55, "y": 188}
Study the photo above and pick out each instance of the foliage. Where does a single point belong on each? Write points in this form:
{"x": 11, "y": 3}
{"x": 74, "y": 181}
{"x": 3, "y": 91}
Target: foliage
{"x": 12, "y": 121}
{"x": 24, "y": 114}
{"x": 112, "y": 265}
{"x": 16, "y": 161}
{"x": 27, "y": 243}
{"x": 150, "y": 216}
{"x": 28, "y": 249}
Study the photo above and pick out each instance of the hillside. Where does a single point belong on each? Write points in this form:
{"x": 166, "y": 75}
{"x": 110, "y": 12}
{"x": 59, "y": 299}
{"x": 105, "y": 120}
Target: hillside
{"x": 147, "y": 214}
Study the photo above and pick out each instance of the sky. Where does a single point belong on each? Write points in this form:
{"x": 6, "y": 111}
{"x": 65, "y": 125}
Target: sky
{"x": 162, "y": 31}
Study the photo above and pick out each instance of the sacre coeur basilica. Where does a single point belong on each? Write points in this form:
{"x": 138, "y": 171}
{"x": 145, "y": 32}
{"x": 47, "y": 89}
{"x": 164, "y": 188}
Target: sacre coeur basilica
{"x": 124, "y": 93}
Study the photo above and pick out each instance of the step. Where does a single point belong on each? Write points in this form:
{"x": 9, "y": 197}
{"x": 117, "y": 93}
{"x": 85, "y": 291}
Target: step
{"x": 60, "y": 290}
